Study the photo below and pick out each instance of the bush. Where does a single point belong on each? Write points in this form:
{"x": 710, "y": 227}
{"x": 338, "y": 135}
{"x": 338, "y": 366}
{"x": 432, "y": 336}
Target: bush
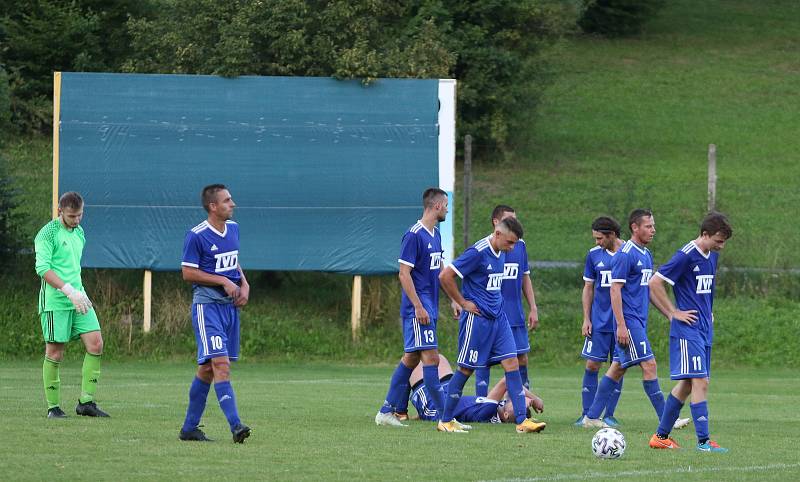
{"x": 617, "y": 18}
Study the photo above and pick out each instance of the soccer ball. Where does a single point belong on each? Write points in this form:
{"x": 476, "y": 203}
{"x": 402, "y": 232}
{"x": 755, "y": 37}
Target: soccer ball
{"x": 608, "y": 443}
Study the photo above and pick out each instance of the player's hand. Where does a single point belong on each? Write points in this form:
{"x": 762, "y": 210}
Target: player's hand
{"x": 537, "y": 405}
{"x": 79, "y": 300}
{"x": 422, "y": 316}
{"x": 471, "y": 307}
{"x": 231, "y": 289}
{"x": 533, "y": 319}
{"x": 622, "y": 335}
{"x": 456, "y": 309}
{"x": 244, "y": 296}
{"x": 586, "y": 329}
{"x": 687, "y": 316}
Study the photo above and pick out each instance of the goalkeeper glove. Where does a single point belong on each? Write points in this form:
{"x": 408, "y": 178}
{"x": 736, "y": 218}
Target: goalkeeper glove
{"x": 78, "y": 298}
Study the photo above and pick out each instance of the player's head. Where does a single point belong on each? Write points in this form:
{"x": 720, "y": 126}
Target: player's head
{"x": 435, "y": 200}
{"x": 642, "y": 226}
{"x": 500, "y": 212}
{"x": 70, "y": 209}
{"x": 217, "y": 201}
{"x": 505, "y": 412}
{"x": 715, "y": 230}
{"x": 605, "y": 231}
{"x": 507, "y": 233}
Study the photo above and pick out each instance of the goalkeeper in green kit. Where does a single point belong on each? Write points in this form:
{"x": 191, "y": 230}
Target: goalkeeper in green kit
{"x": 66, "y": 312}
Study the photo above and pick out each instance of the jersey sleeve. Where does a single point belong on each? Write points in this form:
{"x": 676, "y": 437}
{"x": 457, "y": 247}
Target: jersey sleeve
{"x": 589, "y": 273}
{"x": 408, "y": 249}
{"x": 44, "y": 244}
{"x": 191, "y": 250}
{"x": 672, "y": 270}
{"x": 526, "y": 269}
{"x": 620, "y": 265}
{"x": 467, "y": 262}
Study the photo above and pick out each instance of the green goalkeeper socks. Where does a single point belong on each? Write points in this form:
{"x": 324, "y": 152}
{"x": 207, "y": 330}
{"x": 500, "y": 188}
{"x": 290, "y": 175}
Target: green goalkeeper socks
{"x": 91, "y": 375}
{"x": 52, "y": 382}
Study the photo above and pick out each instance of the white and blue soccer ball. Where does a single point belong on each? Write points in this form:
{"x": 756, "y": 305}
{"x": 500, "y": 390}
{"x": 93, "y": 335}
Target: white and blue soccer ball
{"x": 608, "y": 443}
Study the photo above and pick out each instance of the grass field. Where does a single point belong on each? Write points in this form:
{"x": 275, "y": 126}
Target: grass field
{"x": 314, "y": 422}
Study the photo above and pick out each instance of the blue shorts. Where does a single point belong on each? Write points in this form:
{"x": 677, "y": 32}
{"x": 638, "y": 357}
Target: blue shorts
{"x": 216, "y": 330}
{"x": 638, "y": 349}
{"x": 417, "y": 337}
{"x": 600, "y": 346}
{"x": 484, "y": 341}
{"x": 689, "y": 359}
{"x": 421, "y": 399}
{"x": 521, "y": 339}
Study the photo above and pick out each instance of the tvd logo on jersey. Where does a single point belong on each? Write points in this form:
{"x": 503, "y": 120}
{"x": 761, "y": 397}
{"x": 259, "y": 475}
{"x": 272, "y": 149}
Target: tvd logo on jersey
{"x": 646, "y": 275}
{"x": 226, "y": 261}
{"x": 495, "y": 282}
{"x": 436, "y": 260}
{"x": 704, "y": 283}
{"x": 605, "y": 279}
{"x": 510, "y": 270}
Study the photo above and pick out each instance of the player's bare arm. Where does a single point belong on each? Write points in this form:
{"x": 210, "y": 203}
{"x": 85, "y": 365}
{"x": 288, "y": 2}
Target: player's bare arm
{"x": 244, "y": 291}
{"x": 659, "y": 298}
{"x": 420, "y": 313}
{"x": 616, "y": 306}
{"x": 195, "y": 275}
{"x": 447, "y": 278}
{"x": 527, "y": 290}
{"x": 586, "y": 300}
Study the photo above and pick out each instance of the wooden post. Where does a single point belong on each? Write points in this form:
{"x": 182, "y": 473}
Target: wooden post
{"x": 467, "y": 185}
{"x": 712, "y": 177}
{"x": 148, "y": 285}
{"x": 56, "y": 134}
{"x": 355, "y": 308}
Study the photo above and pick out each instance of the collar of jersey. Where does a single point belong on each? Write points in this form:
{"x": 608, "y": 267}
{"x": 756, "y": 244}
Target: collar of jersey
{"x": 222, "y": 234}
{"x": 706, "y": 256}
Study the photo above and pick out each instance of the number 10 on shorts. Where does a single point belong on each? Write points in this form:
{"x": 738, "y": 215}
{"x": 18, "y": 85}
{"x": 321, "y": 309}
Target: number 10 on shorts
{"x": 216, "y": 342}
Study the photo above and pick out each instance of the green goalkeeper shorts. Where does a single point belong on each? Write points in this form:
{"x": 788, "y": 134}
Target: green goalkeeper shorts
{"x": 61, "y": 326}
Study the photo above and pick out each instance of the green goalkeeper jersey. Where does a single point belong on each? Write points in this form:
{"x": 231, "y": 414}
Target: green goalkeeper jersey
{"x": 58, "y": 249}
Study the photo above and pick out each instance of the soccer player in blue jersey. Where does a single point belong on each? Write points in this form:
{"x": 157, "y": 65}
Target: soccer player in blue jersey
{"x": 692, "y": 274}
{"x": 631, "y": 270}
{"x": 598, "y": 320}
{"x": 420, "y": 263}
{"x": 516, "y": 282}
{"x": 484, "y": 335}
{"x": 219, "y": 288}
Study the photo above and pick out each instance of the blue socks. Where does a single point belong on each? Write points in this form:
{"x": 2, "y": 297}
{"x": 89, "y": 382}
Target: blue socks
{"x": 604, "y": 390}
{"x": 614, "y": 399}
{"x": 397, "y": 388}
{"x": 523, "y": 373}
{"x": 198, "y": 393}
{"x": 227, "y": 402}
{"x": 516, "y": 395}
{"x": 482, "y": 381}
{"x": 588, "y": 390}
{"x": 700, "y": 416}
{"x": 454, "y": 391}
{"x": 653, "y": 391}
{"x": 672, "y": 410}
{"x": 430, "y": 375}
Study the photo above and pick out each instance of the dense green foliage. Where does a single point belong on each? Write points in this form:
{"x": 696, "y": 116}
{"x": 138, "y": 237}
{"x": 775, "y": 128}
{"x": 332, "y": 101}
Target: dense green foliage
{"x": 616, "y": 18}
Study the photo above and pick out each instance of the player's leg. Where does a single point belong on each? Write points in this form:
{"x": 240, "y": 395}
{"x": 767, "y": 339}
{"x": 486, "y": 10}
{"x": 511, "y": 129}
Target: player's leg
{"x": 56, "y": 329}
{"x": 399, "y": 389}
{"x": 472, "y": 329}
{"x": 430, "y": 376}
{"x": 699, "y": 405}
{"x": 640, "y": 352}
{"x": 201, "y": 385}
{"x": 87, "y": 328}
{"x": 224, "y": 348}
{"x": 482, "y": 380}
{"x": 606, "y": 388}
{"x": 522, "y": 342}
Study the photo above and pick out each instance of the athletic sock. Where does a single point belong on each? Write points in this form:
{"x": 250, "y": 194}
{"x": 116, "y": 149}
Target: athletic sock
{"x": 198, "y": 393}
{"x": 604, "y": 390}
{"x": 614, "y": 398}
{"x": 700, "y": 416}
{"x": 672, "y": 410}
{"x": 454, "y": 391}
{"x": 653, "y": 391}
{"x": 52, "y": 382}
{"x": 227, "y": 402}
{"x": 482, "y": 381}
{"x": 523, "y": 374}
{"x": 90, "y": 376}
{"x": 588, "y": 390}
{"x": 397, "y": 387}
{"x": 430, "y": 375}
{"x": 516, "y": 394}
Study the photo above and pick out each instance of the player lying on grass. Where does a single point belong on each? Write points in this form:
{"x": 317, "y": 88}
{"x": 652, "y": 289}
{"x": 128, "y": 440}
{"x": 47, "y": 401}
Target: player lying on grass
{"x": 493, "y": 408}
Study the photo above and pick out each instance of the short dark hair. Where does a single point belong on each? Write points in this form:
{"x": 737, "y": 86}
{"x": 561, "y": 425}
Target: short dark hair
{"x": 498, "y": 211}
{"x": 714, "y": 223}
{"x": 513, "y": 225}
{"x": 430, "y": 195}
{"x": 209, "y": 194}
{"x": 637, "y": 215}
{"x": 606, "y": 225}
{"x": 71, "y": 200}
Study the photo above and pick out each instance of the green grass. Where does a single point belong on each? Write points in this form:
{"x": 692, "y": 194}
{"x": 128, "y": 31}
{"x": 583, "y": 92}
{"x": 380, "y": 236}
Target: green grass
{"x": 314, "y": 422}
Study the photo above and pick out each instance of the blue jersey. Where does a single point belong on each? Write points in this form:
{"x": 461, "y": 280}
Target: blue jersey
{"x": 516, "y": 266}
{"x": 422, "y": 251}
{"x": 633, "y": 266}
{"x": 481, "y": 268}
{"x": 691, "y": 274}
{"x": 598, "y": 272}
{"x": 213, "y": 252}
{"x": 468, "y": 409}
